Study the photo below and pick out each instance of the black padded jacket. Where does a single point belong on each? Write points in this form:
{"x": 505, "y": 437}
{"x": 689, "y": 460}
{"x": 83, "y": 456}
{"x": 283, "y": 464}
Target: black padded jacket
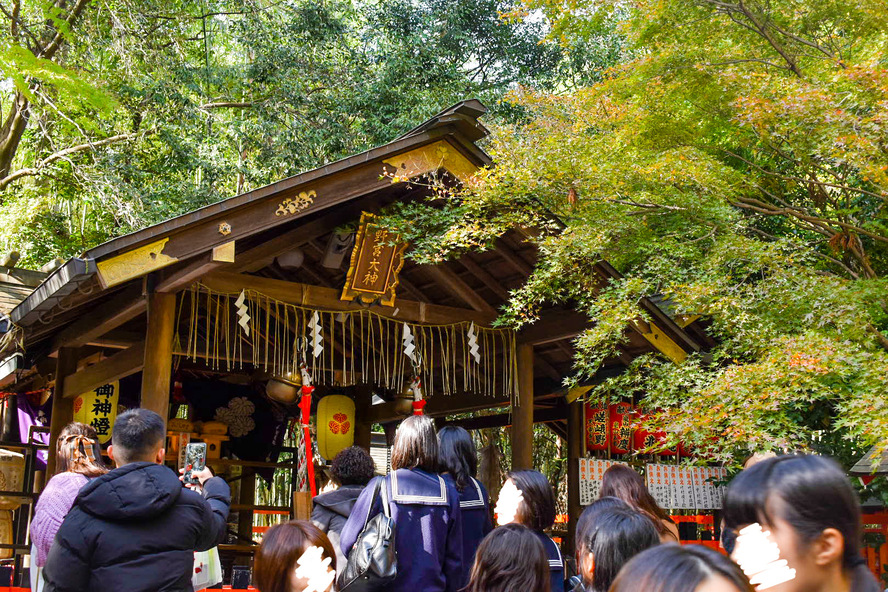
{"x": 135, "y": 529}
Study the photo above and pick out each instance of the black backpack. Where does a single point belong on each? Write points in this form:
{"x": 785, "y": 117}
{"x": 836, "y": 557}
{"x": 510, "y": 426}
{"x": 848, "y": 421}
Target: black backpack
{"x": 373, "y": 563}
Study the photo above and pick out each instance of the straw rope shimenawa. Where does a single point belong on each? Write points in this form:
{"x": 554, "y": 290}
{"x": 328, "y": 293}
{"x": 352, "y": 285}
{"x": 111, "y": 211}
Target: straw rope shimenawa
{"x": 358, "y": 345}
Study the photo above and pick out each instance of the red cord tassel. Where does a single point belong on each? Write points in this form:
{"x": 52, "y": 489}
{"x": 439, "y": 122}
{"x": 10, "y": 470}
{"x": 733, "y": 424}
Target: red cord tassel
{"x": 305, "y": 406}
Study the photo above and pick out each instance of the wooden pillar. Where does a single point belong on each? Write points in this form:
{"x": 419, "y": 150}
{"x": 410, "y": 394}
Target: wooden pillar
{"x": 62, "y": 402}
{"x": 246, "y": 499}
{"x": 157, "y": 371}
{"x": 522, "y": 412}
{"x": 574, "y": 452}
{"x": 363, "y": 428}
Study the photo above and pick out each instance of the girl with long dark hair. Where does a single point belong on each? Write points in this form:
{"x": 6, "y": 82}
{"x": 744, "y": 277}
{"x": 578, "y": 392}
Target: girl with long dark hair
{"x": 527, "y": 498}
{"x": 510, "y": 559}
{"x": 625, "y": 483}
{"x": 425, "y": 509}
{"x": 811, "y": 513}
{"x": 677, "y": 568}
{"x": 611, "y": 539}
{"x": 458, "y": 462}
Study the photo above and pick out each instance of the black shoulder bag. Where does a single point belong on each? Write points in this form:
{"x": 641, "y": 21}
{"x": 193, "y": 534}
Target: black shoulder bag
{"x": 372, "y": 564}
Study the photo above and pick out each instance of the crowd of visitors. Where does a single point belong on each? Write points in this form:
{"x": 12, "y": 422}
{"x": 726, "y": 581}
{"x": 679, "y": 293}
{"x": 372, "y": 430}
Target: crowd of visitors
{"x": 791, "y": 524}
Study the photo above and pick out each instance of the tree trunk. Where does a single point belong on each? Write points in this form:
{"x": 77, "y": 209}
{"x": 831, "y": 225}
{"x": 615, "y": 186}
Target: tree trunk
{"x": 12, "y": 131}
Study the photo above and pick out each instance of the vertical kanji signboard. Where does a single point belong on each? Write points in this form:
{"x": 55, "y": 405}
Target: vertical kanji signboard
{"x": 98, "y": 408}
{"x": 377, "y": 259}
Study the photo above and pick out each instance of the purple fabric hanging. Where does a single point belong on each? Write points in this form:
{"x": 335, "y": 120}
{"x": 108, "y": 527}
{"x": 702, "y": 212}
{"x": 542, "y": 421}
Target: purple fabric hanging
{"x": 28, "y": 416}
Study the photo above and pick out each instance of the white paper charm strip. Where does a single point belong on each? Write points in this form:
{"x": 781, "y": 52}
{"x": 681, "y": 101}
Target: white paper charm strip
{"x": 759, "y": 558}
{"x": 473, "y": 343}
{"x": 317, "y": 338}
{"x": 409, "y": 343}
{"x": 243, "y": 317}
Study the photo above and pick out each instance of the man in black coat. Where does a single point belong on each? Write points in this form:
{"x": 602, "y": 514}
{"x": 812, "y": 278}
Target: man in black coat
{"x": 136, "y": 528}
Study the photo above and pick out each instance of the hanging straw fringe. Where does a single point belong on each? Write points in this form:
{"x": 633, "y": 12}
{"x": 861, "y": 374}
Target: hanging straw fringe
{"x": 358, "y": 346}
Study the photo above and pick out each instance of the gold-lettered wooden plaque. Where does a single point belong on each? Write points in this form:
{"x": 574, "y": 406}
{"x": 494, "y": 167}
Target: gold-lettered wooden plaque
{"x": 376, "y": 260}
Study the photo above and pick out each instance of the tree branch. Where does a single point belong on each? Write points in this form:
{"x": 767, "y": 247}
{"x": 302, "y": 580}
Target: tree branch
{"x": 227, "y": 105}
{"x": 49, "y": 51}
{"x": 35, "y": 170}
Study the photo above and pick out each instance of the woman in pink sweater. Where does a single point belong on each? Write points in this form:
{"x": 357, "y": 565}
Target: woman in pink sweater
{"x": 78, "y": 459}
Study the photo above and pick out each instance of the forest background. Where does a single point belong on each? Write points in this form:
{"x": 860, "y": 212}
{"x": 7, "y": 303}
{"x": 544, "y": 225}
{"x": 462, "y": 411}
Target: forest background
{"x": 728, "y": 157}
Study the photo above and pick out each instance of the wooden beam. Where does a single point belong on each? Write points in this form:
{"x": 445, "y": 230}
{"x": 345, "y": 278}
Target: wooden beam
{"x": 121, "y": 364}
{"x": 157, "y": 371}
{"x": 513, "y": 258}
{"x": 554, "y": 325}
{"x": 482, "y": 274}
{"x": 415, "y": 292}
{"x": 575, "y": 434}
{"x": 450, "y": 281}
{"x": 261, "y": 255}
{"x": 500, "y": 420}
{"x": 438, "y": 406}
{"x": 126, "y": 306}
{"x": 547, "y": 368}
{"x": 522, "y": 411}
{"x": 328, "y": 299}
{"x": 117, "y": 339}
{"x": 62, "y": 406}
{"x": 174, "y": 280}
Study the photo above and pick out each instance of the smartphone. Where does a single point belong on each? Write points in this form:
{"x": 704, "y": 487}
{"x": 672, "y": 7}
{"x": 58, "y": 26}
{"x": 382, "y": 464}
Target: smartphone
{"x": 195, "y": 460}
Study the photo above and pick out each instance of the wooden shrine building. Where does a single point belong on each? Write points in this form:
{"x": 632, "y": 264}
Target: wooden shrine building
{"x": 169, "y": 301}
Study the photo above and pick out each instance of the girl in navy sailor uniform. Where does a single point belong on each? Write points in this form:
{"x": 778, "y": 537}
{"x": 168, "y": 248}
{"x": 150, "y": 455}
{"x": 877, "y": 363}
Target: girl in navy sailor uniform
{"x": 527, "y": 498}
{"x": 458, "y": 460}
{"x": 425, "y": 509}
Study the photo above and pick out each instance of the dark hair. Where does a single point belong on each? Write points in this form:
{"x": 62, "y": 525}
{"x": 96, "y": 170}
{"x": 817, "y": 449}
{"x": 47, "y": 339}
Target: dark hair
{"x": 353, "y": 466}
{"x": 625, "y": 483}
{"x": 816, "y": 495}
{"x": 136, "y": 434}
{"x": 614, "y": 537}
{"x": 282, "y": 546}
{"x": 457, "y": 455}
{"x": 511, "y": 558}
{"x": 537, "y": 509}
{"x": 416, "y": 446}
{"x": 592, "y": 510}
{"x": 676, "y": 568}
{"x": 78, "y": 451}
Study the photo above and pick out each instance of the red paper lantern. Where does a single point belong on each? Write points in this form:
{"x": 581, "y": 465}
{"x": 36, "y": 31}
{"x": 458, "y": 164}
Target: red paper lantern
{"x": 645, "y": 440}
{"x": 597, "y": 432}
{"x": 621, "y": 432}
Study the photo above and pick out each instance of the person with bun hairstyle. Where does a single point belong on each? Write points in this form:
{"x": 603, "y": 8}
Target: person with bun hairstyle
{"x": 293, "y": 555}
{"x": 510, "y": 559}
{"x": 810, "y": 510}
{"x": 352, "y": 469}
{"x": 78, "y": 459}
{"x": 677, "y": 568}
{"x": 458, "y": 461}
{"x": 624, "y": 482}
{"x": 527, "y": 498}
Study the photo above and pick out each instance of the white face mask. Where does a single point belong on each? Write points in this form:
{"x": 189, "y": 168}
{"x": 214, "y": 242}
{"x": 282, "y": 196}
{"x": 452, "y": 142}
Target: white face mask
{"x": 759, "y": 558}
{"x": 313, "y": 573}
{"x": 510, "y": 498}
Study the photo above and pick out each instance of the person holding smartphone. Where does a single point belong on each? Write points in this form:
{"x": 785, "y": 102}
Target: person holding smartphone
{"x": 136, "y": 527}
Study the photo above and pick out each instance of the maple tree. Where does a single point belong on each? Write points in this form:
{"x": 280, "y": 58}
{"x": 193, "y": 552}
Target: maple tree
{"x": 732, "y": 161}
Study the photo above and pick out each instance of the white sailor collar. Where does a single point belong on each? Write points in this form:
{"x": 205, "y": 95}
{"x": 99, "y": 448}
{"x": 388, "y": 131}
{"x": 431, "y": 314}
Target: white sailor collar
{"x": 418, "y": 488}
